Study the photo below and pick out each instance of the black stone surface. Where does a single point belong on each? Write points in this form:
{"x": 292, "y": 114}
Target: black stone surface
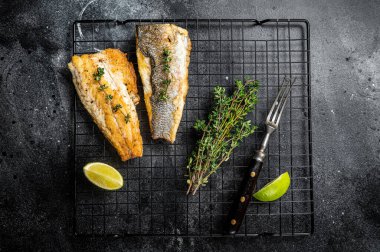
{"x": 36, "y": 172}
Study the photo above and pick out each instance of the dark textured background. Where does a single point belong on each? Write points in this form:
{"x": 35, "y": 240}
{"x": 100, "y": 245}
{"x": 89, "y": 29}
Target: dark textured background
{"x": 36, "y": 175}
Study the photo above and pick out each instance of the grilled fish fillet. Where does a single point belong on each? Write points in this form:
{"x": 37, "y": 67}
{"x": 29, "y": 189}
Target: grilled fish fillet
{"x": 164, "y": 116}
{"x": 115, "y": 116}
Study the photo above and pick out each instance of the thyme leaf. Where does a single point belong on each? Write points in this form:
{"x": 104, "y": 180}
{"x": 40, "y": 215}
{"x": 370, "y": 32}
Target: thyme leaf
{"x": 166, "y": 52}
{"x": 102, "y": 87}
{"x": 116, "y": 107}
{"x": 163, "y": 96}
{"x": 99, "y": 74}
{"x": 127, "y": 117}
{"x": 166, "y": 68}
{"x": 109, "y": 97}
{"x": 166, "y": 82}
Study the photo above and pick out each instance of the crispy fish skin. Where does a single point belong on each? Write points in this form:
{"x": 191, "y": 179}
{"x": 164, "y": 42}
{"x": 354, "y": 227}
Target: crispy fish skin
{"x": 120, "y": 80}
{"x": 164, "y": 116}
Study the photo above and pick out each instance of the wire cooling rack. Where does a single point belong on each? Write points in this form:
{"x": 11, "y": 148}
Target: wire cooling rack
{"x": 153, "y": 200}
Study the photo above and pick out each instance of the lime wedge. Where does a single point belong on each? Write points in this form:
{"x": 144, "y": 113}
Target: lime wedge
{"x": 103, "y": 176}
{"x": 274, "y": 189}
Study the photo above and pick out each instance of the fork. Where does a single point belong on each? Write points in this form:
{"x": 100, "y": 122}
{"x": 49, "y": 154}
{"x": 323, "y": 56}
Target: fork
{"x": 239, "y": 208}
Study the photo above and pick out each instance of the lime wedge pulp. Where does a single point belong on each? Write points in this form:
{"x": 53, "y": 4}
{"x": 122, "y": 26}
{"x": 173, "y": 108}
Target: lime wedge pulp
{"x": 274, "y": 189}
{"x": 103, "y": 176}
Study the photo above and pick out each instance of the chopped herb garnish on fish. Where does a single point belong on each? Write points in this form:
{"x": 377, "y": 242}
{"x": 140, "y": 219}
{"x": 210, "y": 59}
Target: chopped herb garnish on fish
{"x": 116, "y": 107}
{"x": 99, "y": 74}
{"x": 166, "y": 68}
{"x": 102, "y": 87}
{"x": 167, "y": 59}
{"x": 166, "y": 82}
{"x": 127, "y": 118}
{"x": 163, "y": 96}
{"x": 166, "y": 52}
{"x": 109, "y": 97}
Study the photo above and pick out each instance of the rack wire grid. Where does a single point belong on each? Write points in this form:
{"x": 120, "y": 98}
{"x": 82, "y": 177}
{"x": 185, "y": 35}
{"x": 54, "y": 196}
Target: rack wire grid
{"x": 153, "y": 200}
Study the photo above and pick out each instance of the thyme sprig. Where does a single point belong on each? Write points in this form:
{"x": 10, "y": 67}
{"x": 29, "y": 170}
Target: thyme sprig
{"x": 225, "y": 128}
{"x": 102, "y": 87}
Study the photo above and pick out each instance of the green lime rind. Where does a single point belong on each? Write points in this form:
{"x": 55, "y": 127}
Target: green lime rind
{"x": 274, "y": 189}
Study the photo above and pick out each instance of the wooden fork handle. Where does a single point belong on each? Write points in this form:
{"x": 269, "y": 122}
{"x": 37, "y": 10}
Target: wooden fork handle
{"x": 239, "y": 208}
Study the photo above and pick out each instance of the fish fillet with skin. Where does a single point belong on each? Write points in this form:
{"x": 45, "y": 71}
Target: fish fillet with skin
{"x": 110, "y": 100}
{"x": 164, "y": 115}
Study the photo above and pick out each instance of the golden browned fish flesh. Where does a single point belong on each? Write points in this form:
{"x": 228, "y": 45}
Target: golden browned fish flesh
{"x": 106, "y": 85}
{"x": 163, "y": 55}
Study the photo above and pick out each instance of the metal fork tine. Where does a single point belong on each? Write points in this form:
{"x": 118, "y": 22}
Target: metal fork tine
{"x": 279, "y": 102}
{"x": 276, "y": 100}
{"x": 284, "y": 103}
{"x": 276, "y": 103}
